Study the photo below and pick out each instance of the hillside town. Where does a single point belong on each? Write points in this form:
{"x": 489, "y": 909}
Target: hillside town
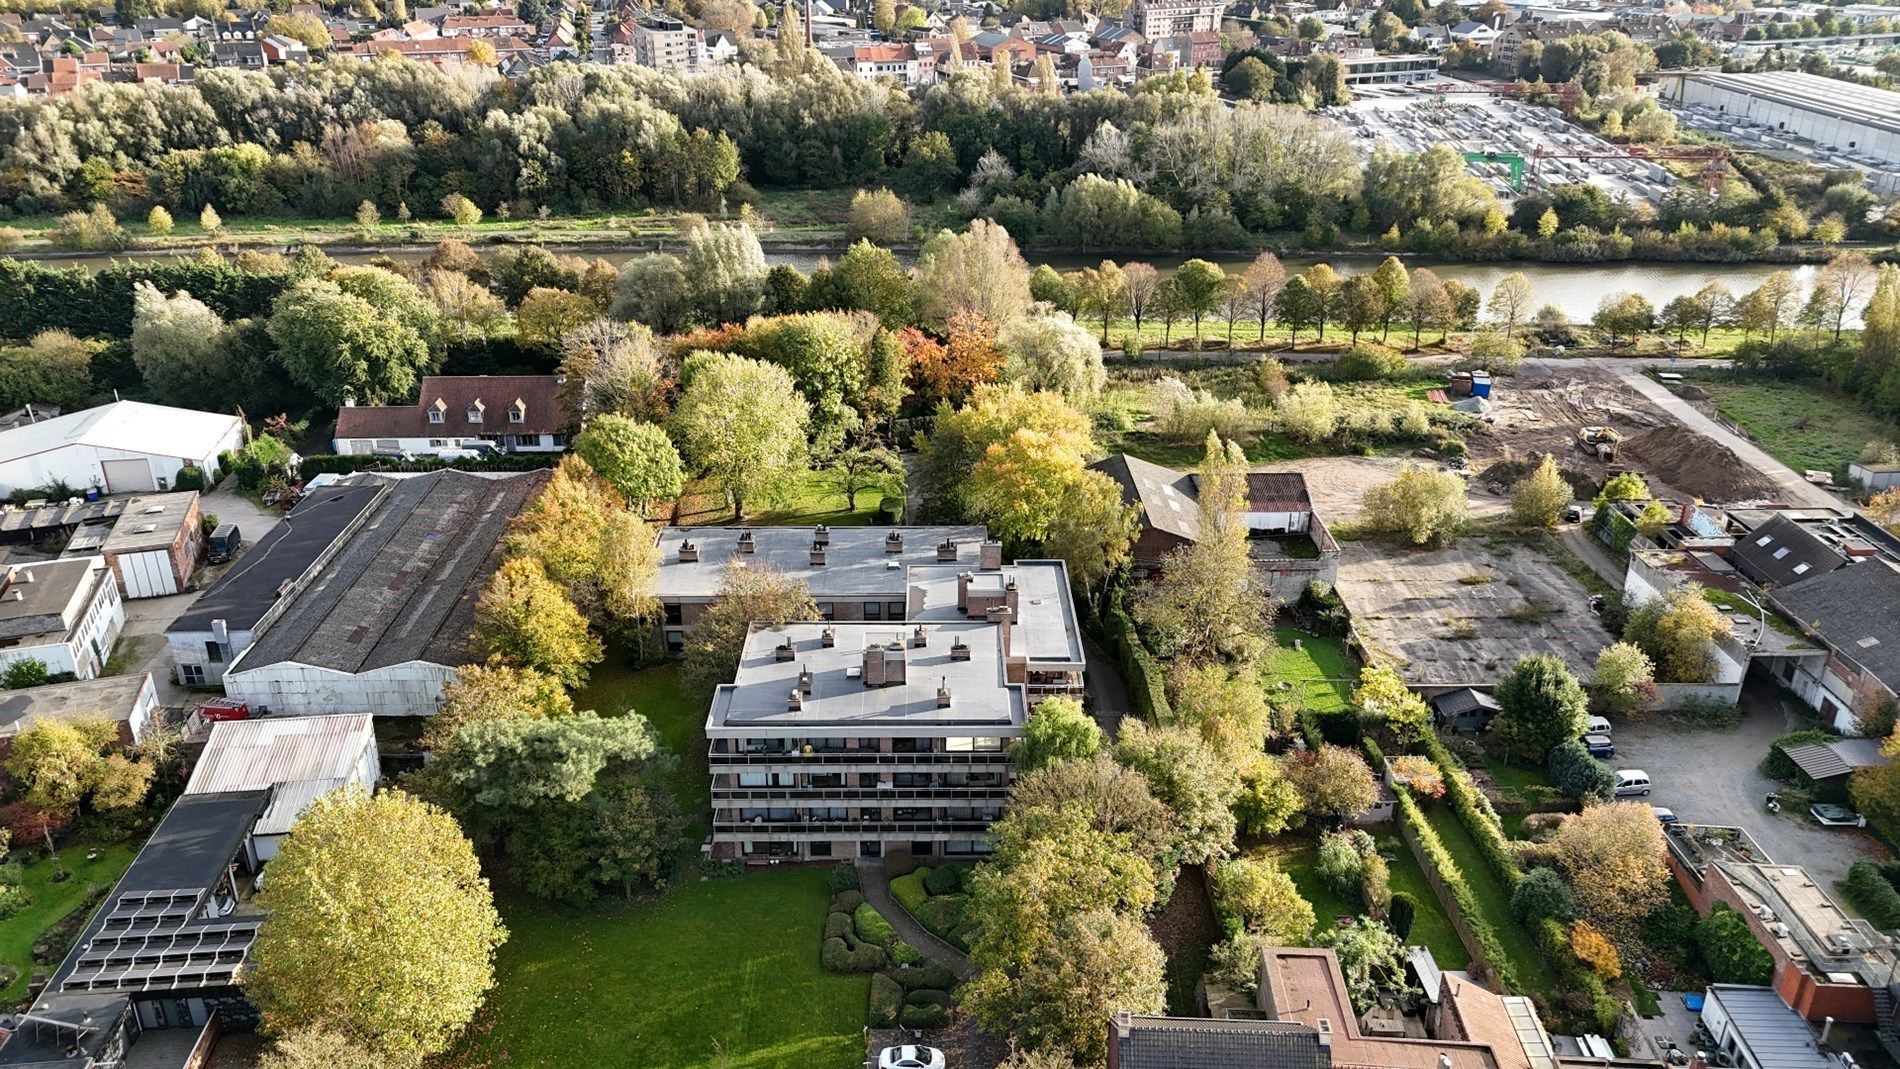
{"x": 1166, "y": 534}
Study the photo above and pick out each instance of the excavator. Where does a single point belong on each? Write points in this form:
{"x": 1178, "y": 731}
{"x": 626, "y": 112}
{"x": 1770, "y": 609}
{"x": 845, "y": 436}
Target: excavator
{"x": 1600, "y": 441}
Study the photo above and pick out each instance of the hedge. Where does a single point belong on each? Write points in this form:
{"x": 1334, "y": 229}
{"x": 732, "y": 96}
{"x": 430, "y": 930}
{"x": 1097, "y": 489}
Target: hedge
{"x": 843, "y": 877}
{"x": 944, "y": 879}
{"x": 872, "y": 927}
{"x": 838, "y": 956}
{"x": 931, "y": 975}
{"x": 1440, "y": 861}
{"x": 1873, "y": 894}
{"x": 339, "y": 464}
{"x": 837, "y": 925}
{"x": 909, "y": 892}
{"x": 1146, "y": 679}
{"x": 846, "y": 901}
{"x": 36, "y": 297}
{"x": 887, "y": 1000}
{"x": 922, "y": 1016}
{"x": 928, "y": 996}
{"x": 1474, "y": 812}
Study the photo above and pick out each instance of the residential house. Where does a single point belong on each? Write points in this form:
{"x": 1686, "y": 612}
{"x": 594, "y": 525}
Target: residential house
{"x": 722, "y": 47}
{"x": 1755, "y": 1029}
{"x": 516, "y": 413}
{"x": 665, "y": 43}
{"x": 66, "y": 614}
{"x": 899, "y": 62}
{"x": 1173, "y": 18}
{"x": 489, "y": 24}
{"x": 1481, "y": 34}
{"x": 1850, "y": 611}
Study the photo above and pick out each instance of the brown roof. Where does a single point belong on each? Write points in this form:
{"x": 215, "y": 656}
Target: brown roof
{"x": 1277, "y": 491}
{"x": 453, "y": 396}
{"x": 883, "y": 53}
{"x": 1305, "y": 986}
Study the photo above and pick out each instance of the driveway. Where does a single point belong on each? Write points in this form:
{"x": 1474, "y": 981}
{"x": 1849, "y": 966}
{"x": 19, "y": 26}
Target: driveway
{"x": 1103, "y": 683}
{"x": 1713, "y": 777}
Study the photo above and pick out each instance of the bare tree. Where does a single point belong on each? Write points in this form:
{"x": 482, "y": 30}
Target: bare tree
{"x": 1143, "y": 283}
{"x": 1263, "y": 279}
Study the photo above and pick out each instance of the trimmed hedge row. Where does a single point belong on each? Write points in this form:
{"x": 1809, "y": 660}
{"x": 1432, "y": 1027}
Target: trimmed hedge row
{"x": 1873, "y": 894}
{"x": 887, "y": 1000}
{"x": 1474, "y": 812}
{"x": 1146, "y": 680}
{"x": 1453, "y": 879}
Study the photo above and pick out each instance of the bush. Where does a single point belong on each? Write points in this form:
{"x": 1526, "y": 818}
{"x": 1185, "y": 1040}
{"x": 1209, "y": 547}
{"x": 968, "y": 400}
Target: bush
{"x": 838, "y": 956}
{"x": 887, "y": 1000}
{"x": 843, "y": 877}
{"x": 1777, "y": 764}
{"x": 1733, "y": 954}
{"x": 929, "y": 996}
{"x": 846, "y": 901}
{"x": 838, "y": 926}
{"x": 1543, "y": 895}
{"x": 1578, "y": 775}
{"x": 909, "y": 892}
{"x": 13, "y": 899}
{"x": 1368, "y": 361}
{"x": 943, "y": 915}
{"x": 898, "y": 861}
{"x": 932, "y": 974}
{"x": 1375, "y": 884}
{"x": 872, "y": 927}
{"x": 922, "y": 1016}
{"x": 1341, "y": 862}
{"x": 189, "y": 477}
{"x": 944, "y": 880}
{"x": 1400, "y": 915}
{"x": 1876, "y": 897}
{"x": 903, "y": 953}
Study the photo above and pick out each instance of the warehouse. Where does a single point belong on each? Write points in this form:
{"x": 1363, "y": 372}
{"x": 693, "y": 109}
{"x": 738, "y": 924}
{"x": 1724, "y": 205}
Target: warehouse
{"x": 126, "y": 447}
{"x": 1837, "y": 123}
{"x": 154, "y": 547}
{"x": 386, "y": 623}
{"x": 299, "y": 759}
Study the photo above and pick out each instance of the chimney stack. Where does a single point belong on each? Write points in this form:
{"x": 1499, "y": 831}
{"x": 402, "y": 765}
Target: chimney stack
{"x": 794, "y": 701}
{"x": 784, "y": 651}
{"x": 946, "y": 551}
{"x": 919, "y": 637}
{"x": 818, "y": 553}
{"x": 990, "y": 557}
{"x": 828, "y": 638}
{"x": 943, "y": 693}
{"x": 689, "y": 553}
{"x": 746, "y": 544}
{"x": 804, "y": 680}
{"x": 894, "y": 542}
{"x": 821, "y": 535}
{"x": 959, "y": 650}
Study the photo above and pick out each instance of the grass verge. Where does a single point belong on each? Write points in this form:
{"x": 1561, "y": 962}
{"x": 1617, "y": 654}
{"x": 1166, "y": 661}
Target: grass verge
{"x": 615, "y": 688}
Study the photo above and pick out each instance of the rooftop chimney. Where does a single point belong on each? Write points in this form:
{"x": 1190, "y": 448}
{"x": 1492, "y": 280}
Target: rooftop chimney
{"x": 828, "y": 638}
{"x": 943, "y": 693}
{"x": 804, "y": 680}
{"x": 784, "y": 651}
{"x": 821, "y": 535}
{"x": 946, "y": 550}
{"x": 746, "y": 544}
{"x": 919, "y": 638}
{"x": 689, "y": 553}
{"x": 818, "y": 553}
{"x": 894, "y": 542}
{"x": 959, "y": 650}
{"x": 794, "y": 701}
{"x": 990, "y": 557}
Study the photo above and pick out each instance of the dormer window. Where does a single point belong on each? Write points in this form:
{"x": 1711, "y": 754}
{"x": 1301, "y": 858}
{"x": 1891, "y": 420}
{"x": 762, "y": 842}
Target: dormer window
{"x": 518, "y": 412}
{"x": 438, "y": 412}
{"x": 475, "y": 412}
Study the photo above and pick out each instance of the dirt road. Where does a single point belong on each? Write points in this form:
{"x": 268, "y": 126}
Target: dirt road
{"x": 1787, "y": 482}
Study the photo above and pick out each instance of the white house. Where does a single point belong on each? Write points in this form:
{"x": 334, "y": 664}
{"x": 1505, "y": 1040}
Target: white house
{"x": 517, "y": 413}
{"x": 125, "y": 447}
{"x": 1474, "y": 33}
{"x": 66, "y": 614}
{"x": 299, "y": 759}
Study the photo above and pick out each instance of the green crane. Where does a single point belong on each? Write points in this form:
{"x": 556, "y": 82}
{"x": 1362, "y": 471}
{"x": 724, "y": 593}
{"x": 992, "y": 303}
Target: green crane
{"x": 1515, "y": 161}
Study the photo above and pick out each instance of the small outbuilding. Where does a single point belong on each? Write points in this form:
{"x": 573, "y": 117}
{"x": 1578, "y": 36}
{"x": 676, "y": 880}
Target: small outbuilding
{"x": 1464, "y": 709}
{"x": 154, "y": 547}
{"x": 66, "y": 614}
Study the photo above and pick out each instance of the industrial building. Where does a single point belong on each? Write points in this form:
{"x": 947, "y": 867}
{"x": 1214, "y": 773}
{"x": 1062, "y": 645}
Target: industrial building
{"x": 1834, "y": 123}
{"x": 126, "y": 447}
{"x": 154, "y": 546}
{"x": 299, "y": 758}
{"x": 65, "y": 614}
{"x": 383, "y": 626}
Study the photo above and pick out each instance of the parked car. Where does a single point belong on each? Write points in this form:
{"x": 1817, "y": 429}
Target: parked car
{"x": 223, "y": 544}
{"x": 1663, "y": 816}
{"x": 910, "y": 1057}
{"x": 1597, "y": 725}
{"x": 1599, "y": 745}
{"x": 1836, "y": 816}
{"x": 402, "y": 455}
{"x": 1632, "y": 782}
{"x": 1573, "y": 514}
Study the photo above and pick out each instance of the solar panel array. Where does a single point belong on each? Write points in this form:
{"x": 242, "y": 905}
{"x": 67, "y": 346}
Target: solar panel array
{"x": 150, "y": 940}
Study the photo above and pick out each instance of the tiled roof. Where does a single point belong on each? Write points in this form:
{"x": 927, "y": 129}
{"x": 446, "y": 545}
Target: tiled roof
{"x": 454, "y": 396}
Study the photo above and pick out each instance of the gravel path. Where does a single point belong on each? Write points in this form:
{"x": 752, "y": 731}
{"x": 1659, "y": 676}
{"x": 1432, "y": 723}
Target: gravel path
{"x": 877, "y": 891}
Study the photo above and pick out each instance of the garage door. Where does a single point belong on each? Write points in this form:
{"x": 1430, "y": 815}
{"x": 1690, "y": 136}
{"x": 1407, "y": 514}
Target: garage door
{"x": 129, "y": 476}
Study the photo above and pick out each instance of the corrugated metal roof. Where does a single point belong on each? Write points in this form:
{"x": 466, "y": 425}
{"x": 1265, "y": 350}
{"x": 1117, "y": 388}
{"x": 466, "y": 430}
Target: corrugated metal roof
{"x": 288, "y": 802}
{"x": 248, "y": 755}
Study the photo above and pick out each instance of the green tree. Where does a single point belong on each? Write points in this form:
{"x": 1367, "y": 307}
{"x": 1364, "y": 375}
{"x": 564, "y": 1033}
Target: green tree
{"x": 1538, "y": 499}
{"x": 1058, "y": 731}
{"x": 755, "y": 594}
{"x": 23, "y": 673}
{"x": 379, "y": 927}
{"x": 1322, "y": 286}
{"x": 1540, "y": 704}
{"x": 960, "y": 438}
{"x": 179, "y": 345}
{"x": 1212, "y": 603}
{"x": 1678, "y": 630}
{"x": 1511, "y": 301}
{"x": 638, "y": 459}
{"x": 741, "y": 423}
{"x": 1615, "y": 858}
{"x": 1624, "y": 678}
{"x": 1625, "y": 315}
{"x": 1263, "y": 897}
{"x": 465, "y": 212}
{"x": 1334, "y": 782}
{"x": 1199, "y": 284}
{"x": 1195, "y": 783}
{"x": 56, "y": 763}
{"x": 1421, "y": 504}
{"x": 340, "y": 346}
{"x": 602, "y": 555}
{"x": 1734, "y": 955}
{"x": 158, "y": 222}
{"x": 495, "y": 691}
{"x": 1578, "y": 775}
{"x": 1382, "y": 695}
{"x": 877, "y": 216}
{"x": 1093, "y": 530}
{"x": 1100, "y": 963}
{"x": 1021, "y": 483}
{"x": 526, "y": 618}
{"x": 1052, "y": 352}
{"x": 980, "y": 271}
{"x": 317, "y": 1048}
{"x": 1394, "y": 284}
{"x": 1372, "y": 960}
{"x": 855, "y": 469}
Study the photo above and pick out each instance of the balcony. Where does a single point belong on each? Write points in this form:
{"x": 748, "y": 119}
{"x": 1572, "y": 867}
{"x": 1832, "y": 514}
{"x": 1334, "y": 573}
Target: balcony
{"x": 860, "y": 794}
{"x": 850, "y": 828}
{"x": 869, "y": 759}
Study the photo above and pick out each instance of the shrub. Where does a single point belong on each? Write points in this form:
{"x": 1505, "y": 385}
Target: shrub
{"x": 1593, "y": 949}
{"x": 1341, "y": 862}
{"x": 944, "y": 880}
{"x": 1873, "y": 894}
{"x": 903, "y": 953}
{"x": 843, "y": 877}
{"x": 898, "y": 861}
{"x": 1543, "y": 894}
{"x": 846, "y": 901}
{"x": 1368, "y": 361}
{"x": 1401, "y": 913}
{"x": 1733, "y": 954}
{"x": 838, "y": 956}
{"x": 838, "y": 926}
{"x": 189, "y": 477}
{"x": 887, "y": 1000}
{"x": 928, "y": 996}
{"x": 13, "y": 899}
{"x": 932, "y": 974}
{"x": 1375, "y": 884}
{"x": 872, "y": 927}
{"x": 25, "y": 672}
{"x": 909, "y": 892}
{"x": 943, "y": 915}
{"x": 922, "y": 1016}
{"x": 1578, "y": 775}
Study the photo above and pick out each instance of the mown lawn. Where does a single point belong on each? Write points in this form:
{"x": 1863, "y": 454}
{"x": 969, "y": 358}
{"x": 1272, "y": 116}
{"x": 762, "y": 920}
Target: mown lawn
{"x": 615, "y": 688}
{"x": 1322, "y": 670}
{"x": 1494, "y": 902}
{"x": 814, "y": 499}
{"x": 52, "y": 901}
{"x": 720, "y": 973}
{"x": 1430, "y": 927}
{"x": 1805, "y": 427}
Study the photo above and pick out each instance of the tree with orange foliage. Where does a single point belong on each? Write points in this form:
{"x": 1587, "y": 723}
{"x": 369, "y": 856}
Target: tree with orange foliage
{"x": 951, "y": 369}
{"x": 1594, "y": 949}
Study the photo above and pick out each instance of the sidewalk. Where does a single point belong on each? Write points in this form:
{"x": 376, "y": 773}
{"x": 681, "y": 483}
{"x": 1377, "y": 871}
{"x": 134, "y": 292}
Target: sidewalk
{"x": 877, "y": 891}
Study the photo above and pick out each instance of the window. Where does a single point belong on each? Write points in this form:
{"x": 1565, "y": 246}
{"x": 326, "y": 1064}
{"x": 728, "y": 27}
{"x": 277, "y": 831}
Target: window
{"x": 1764, "y": 540}
{"x": 1780, "y": 553}
{"x": 975, "y": 745}
{"x": 518, "y": 414}
{"x": 824, "y": 610}
{"x": 474, "y": 414}
{"x": 674, "y": 614}
{"x": 676, "y": 642}
{"x": 1801, "y": 569}
{"x": 894, "y": 610}
{"x": 874, "y": 610}
{"x": 821, "y": 849}
{"x": 192, "y": 675}
{"x": 436, "y": 415}
{"x": 213, "y": 651}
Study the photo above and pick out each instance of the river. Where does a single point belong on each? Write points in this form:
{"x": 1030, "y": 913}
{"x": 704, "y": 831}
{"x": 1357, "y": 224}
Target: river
{"x": 1574, "y": 288}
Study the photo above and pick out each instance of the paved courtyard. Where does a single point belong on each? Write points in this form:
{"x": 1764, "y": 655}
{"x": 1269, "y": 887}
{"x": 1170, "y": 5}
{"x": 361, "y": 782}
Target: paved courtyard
{"x": 1714, "y": 777}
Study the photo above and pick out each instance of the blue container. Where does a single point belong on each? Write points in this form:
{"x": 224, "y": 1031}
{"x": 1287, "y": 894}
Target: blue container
{"x": 92, "y": 493}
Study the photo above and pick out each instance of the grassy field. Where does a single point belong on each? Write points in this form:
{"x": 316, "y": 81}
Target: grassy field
{"x": 1494, "y": 901}
{"x": 52, "y": 901}
{"x": 615, "y": 688}
{"x": 816, "y": 499}
{"x": 1805, "y": 427}
{"x": 1322, "y": 670}
{"x": 721, "y": 973}
{"x": 1430, "y": 927}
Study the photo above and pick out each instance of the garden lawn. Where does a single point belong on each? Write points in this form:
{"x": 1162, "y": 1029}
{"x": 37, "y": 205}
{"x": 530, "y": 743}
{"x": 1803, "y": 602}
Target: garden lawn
{"x": 1322, "y": 671}
{"x": 1494, "y": 901}
{"x": 1299, "y": 856}
{"x": 53, "y": 901}
{"x": 813, "y": 500}
{"x": 1803, "y": 426}
{"x": 614, "y": 688}
{"x": 717, "y": 973}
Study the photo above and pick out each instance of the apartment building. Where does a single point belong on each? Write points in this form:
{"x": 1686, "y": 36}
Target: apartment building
{"x": 665, "y": 44}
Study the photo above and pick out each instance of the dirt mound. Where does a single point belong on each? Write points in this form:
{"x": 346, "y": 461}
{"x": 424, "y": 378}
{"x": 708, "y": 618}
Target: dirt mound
{"x": 1692, "y": 393}
{"x": 1695, "y": 464}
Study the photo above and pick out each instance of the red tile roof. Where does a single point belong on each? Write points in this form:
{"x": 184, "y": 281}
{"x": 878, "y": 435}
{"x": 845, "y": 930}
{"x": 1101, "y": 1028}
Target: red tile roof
{"x": 454, "y": 395}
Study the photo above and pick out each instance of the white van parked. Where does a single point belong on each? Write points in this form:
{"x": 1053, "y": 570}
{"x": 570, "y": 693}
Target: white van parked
{"x": 1632, "y": 782}
{"x": 1596, "y": 725}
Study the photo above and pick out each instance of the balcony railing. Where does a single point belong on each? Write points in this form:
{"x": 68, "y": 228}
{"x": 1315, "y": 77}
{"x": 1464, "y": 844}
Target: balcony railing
{"x": 861, "y": 757}
{"x": 852, "y": 827}
{"x": 854, "y": 794}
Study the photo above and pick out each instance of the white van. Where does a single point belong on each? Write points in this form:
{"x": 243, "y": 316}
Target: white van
{"x": 1596, "y": 725}
{"x": 1632, "y": 782}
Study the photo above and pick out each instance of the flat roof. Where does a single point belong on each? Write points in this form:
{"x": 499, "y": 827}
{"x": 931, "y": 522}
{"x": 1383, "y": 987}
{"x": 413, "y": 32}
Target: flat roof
{"x": 1305, "y": 985}
{"x": 34, "y": 596}
{"x": 109, "y": 697}
{"x": 402, "y": 587}
{"x": 856, "y": 560}
{"x": 150, "y": 521}
{"x": 1045, "y": 628}
{"x": 982, "y": 701}
{"x": 248, "y": 589}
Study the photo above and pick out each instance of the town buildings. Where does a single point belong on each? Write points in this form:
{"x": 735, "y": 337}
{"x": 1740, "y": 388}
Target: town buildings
{"x": 511, "y": 413}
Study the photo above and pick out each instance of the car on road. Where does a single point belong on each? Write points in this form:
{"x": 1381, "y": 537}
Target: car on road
{"x": 1836, "y": 816}
{"x": 910, "y": 1057}
{"x": 1632, "y": 782}
{"x": 1599, "y": 745}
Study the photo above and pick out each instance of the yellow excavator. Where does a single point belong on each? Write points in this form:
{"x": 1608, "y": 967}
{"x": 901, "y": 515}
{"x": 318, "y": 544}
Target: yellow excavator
{"x": 1600, "y": 441}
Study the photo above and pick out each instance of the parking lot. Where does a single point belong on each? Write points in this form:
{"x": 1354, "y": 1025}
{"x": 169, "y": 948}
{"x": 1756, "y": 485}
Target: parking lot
{"x": 1714, "y": 777}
